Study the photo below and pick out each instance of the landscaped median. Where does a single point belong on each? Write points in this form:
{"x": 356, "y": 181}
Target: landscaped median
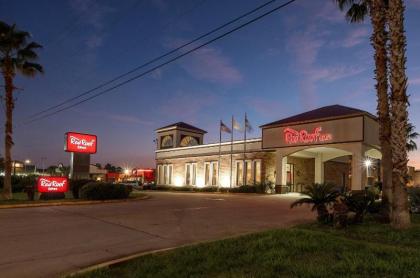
{"x": 20, "y": 201}
{"x": 82, "y": 192}
{"x": 367, "y": 250}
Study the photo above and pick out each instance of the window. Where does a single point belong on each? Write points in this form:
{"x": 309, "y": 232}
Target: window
{"x": 188, "y": 141}
{"x": 257, "y": 171}
{"x": 290, "y": 174}
{"x": 166, "y": 142}
{"x": 239, "y": 173}
{"x": 164, "y": 174}
{"x": 169, "y": 178}
{"x": 190, "y": 173}
{"x": 210, "y": 173}
{"x": 248, "y": 172}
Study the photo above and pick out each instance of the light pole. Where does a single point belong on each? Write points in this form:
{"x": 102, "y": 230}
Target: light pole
{"x": 26, "y": 162}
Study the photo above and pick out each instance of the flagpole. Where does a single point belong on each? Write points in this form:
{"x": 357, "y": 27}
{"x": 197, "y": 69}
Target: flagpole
{"x": 244, "y": 172}
{"x": 231, "y": 154}
{"x": 220, "y": 153}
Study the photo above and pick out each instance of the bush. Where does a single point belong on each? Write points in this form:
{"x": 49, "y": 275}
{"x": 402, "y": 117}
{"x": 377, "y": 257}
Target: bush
{"x": 414, "y": 198}
{"x": 206, "y": 189}
{"x": 52, "y": 196}
{"x": 76, "y": 185}
{"x": 104, "y": 191}
{"x": 20, "y": 182}
{"x": 360, "y": 203}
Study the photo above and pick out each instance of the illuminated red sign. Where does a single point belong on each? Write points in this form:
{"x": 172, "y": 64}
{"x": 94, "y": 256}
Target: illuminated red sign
{"x": 80, "y": 143}
{"x": 52, "y": 184}
{"x": 292, "y": 136}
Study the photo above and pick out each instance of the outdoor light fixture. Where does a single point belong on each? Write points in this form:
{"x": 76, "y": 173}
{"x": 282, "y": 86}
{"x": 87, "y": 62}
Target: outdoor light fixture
{"x": 368, "y": 162}
{"x": 27, "y": 161}
{"x": 126, "y": 171}
{"x": 178, "y": 181}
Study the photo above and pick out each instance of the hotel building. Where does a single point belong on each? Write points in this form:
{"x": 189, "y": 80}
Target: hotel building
{"x": 334, "y": 144}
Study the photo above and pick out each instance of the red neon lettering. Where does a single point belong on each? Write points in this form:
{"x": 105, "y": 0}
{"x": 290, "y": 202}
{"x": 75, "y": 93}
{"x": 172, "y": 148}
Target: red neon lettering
{"x": 292, "y": 136}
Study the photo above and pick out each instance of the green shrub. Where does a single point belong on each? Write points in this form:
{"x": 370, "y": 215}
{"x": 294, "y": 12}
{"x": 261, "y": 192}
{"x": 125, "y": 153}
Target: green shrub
{"x": 52, "y": 196}
{"x": 321, "y": 197}
{"x": 76, "y": 185}
{"x": 206, "y": 189}
{"x": 360, "y": 202}
{"x": 414, "y": 198}
{"x": 104, "y": 191}
{"x": 20, "y": 182}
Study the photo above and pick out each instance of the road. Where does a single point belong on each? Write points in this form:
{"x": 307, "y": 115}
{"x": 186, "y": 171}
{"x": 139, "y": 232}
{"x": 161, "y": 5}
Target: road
{"x": 52, "y": 241}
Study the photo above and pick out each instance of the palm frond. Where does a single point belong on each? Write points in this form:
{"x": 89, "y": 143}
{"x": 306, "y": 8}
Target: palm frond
{"x": 301, "y": 201}
{"x": 357, "y": 12}
{"x": 30, "y": 69}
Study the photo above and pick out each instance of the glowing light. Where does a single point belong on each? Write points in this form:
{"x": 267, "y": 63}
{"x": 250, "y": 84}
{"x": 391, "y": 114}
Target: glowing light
{"x": 292, "y": 136}
{"x": 126, "y": 171}
{"x": 27, "y": 161}
{"x": 367, "y": 162}
{"x": 200, "y": 182}
{"x": 178, "y": 181}
{"x": 224, "y": 181}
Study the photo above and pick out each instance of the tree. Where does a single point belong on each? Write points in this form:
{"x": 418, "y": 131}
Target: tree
{"x": 411, "y": 135}
{"x": 320, "y": 196}
{"x": 16, "y": 56}
{"x": 377, "y": 9}
{"x": 400, "y": 216}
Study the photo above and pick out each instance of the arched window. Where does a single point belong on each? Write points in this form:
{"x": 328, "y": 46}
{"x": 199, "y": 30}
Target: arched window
{"x": 188, "y": 141}
{"x": 167, "y": 142}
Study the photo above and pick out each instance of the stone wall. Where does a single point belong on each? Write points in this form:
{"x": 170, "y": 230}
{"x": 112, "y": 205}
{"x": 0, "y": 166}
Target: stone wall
{"x": 304, "y": 171}
{"x": 267, "y": 166}
{"x": 337, "y": 172}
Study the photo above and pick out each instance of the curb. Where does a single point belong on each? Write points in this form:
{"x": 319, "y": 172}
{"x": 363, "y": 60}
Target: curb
{"x": 73, "y": 203}
{"x": 133, "y": 256}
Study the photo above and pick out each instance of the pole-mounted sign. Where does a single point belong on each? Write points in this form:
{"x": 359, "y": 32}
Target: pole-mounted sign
{"x": 80, "y": 143}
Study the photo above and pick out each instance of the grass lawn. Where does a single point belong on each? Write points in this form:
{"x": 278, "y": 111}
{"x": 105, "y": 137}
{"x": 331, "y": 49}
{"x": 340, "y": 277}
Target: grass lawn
{"x": 368, "y": 250}
{"x": 21, "y": 198}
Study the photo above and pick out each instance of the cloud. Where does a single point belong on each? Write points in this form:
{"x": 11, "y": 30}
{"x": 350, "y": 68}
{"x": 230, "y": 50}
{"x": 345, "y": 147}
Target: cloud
{"x": 356, "y": 37}
{"x": 129, "y": 119}
{"x": 330, "y": 12}
{"x": 187, "y": 105}
{"x": 414, "y": 81}
{"x": 207, "y": 64}
{"x": 94, "y": 41}
{"x": 93, "y": 15}
{"x": 414, "y": 4}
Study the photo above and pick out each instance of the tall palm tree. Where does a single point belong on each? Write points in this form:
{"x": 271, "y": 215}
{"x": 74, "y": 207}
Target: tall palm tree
{"x": 411, "y": 135}
{"x": 400, "y": 216}
{"x": 17, "y": 55}
{"x": 377, "y": 9}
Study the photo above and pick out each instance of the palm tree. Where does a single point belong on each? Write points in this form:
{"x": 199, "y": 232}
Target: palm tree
{"x": 16, "y": 56}
{"x": 320, "y": 196}
{"x": 400, "y": 217}
{"x": 411, "y": 135}
{"x": 377, "y": 9}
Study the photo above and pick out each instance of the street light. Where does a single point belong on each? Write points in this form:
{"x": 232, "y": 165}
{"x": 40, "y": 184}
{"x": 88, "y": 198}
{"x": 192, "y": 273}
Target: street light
{"x": 27, "y": 161}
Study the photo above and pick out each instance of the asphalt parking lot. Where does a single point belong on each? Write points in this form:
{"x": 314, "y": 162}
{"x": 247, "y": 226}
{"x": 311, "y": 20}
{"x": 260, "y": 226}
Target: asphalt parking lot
{"x": 51, "y": 241}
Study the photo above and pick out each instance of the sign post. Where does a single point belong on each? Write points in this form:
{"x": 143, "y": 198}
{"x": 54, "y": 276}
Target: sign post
{"x": 81, "y": 146}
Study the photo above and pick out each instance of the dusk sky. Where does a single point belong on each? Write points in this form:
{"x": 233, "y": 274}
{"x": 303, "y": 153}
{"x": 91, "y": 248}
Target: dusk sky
{"x": 299, "y": 58}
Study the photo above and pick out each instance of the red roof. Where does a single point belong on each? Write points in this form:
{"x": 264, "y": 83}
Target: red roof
{"x": 332, "y": 111}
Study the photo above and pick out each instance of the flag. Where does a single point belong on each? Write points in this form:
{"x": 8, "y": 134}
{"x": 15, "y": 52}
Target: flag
{"x": 224, "y": 128}
{"x": 248, "y": 126}
{"x": 235, "y": 124}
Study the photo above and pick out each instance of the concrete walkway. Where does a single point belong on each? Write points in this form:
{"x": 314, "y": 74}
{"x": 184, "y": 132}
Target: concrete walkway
{"x": 51, "y": 241}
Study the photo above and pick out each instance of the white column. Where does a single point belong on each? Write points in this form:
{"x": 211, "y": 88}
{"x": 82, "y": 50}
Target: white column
{"x": 358, "y": 171}
{"x": 319, "y": 168}
{"x": 280, "y": 168}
